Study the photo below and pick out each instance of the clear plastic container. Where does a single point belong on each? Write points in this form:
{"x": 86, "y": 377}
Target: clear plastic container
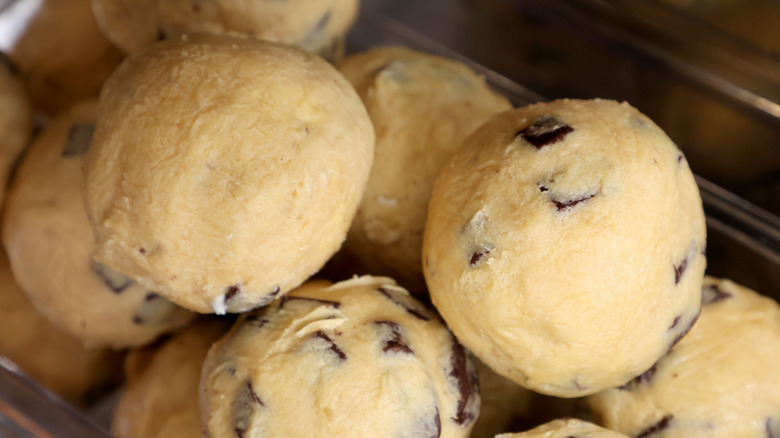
{"x": 743, "y": 239}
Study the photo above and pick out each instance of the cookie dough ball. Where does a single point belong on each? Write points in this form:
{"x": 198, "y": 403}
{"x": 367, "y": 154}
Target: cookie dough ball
{"x": 315, "y": 25}
{"x": 566, "y": 428}
{"x": 62, "y": 55}
{"x": 50, "y": 356}
{"x": 225, "y": 171}
{"x": 50, "y": 244}
{"x": 15, "y": 120}
{"x": 722, "y": 380}
{"x": 358, "y": 358}
{"x": 423, "y": 107}
{"x": 161, "y": 395}
{"x": 564, "y": 245}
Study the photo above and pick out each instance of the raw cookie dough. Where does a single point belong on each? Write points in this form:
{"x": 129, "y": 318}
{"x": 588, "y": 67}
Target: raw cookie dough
{"x": 225, "y": 171}
{"x": 50, "y": 356}
{"x": 566, "y": 428}
{"x": 358, "y": 358}
{"x": 62, "y": 55}
{"x": 722, "y": 380}
{"x": 50, "y": 244}
{"x": 422, "y": 107}
{"x": 564, "y": 245}
{"x": 318, "y": 26}
{"x": 161, "y": 395}
{"x": 15, "y": 120}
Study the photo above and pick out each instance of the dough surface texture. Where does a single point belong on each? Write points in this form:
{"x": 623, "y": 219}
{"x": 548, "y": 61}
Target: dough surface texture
{"x": 357, "y": 358}
{"x": 566, "y": 428}
{"x": 564, "y": 245}
{"x": 721, "y": 380}
{"x": 225, "y": 171}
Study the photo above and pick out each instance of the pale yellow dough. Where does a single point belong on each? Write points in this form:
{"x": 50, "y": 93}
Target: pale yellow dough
{"x": 360, "y": 358}
{"x": 50, "y": 244}
{"x": 161, "y": 392}
{"x": 721, "y": 380}
{"x": 15, "y": 120}
{"x": 566, "y": 428}
{"x": 422, "y": 107}
{"x": 225, "y": 171}
{"x": 50, "y": 356}
{"x": 570, "y": 267}
{"x": 315, "y": 25}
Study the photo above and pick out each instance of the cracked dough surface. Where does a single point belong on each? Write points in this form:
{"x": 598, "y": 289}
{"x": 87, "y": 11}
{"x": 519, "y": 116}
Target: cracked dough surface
{"x": 357, "y": 358}
{"x": 225, "y": 171}
{"x": 564, "y": 245}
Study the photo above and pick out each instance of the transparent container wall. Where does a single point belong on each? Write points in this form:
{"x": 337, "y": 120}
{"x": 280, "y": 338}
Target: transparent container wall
{"x": 712, "y": 88}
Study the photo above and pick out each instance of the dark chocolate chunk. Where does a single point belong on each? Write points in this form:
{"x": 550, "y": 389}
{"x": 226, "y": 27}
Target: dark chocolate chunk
{"x": 679, "y": 158}
{"x": 437, "y": 422}
{"x": 679, "y": 270}
{"x": 256, "y": 319}
{"x": 244, "y": 406}
{"x": 772, "y": 427}
{"x": 712, "y": 294}
{"x": 656, "y": 428}
{"x": 480, "y": 255}
{"x": 79, "y": 138}
{"x": 543, "y": 188}
{"x": 546, "y": 130}
{"x": 232, "y": 292}
{"x": 688, "y": 328}
{"x": 561, "y": 205}
{"x": 142, "y": 250}
{"x": 161, "y": 34}
{"x": 137, "y": 320}
{"x": 289, "y": 298}
{"x": 397, "y": 343}
{"x": 466, "y": 383}
{"x": 115, "y": 281}
{"x": 333, "y": 347}
{"x": 413, "y": 312}
{"x": 675, "y": 322}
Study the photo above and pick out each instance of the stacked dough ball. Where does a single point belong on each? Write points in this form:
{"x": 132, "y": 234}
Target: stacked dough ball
{"x": 561, "y": 243}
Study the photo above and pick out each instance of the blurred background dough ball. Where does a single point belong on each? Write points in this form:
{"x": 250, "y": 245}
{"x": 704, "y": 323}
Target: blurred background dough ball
{"x": 225, "y": 171}
{"x": 318, "y": 26}
{"x": 721, "y": 380}
{"x": 62, "y": 56}
{"x": 49, "y": 355}
{"x": 566, "y": 428}
{"x": 357, "y": 358}
{"x": 50, "y": 244}
{"x": 15, "y": 120}
{"x": 161, "y": 390}
{"x": 422, "y": 107}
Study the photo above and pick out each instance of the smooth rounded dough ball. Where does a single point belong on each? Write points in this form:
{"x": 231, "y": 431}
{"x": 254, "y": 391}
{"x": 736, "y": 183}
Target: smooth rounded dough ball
{"x": 566, "y": 428}
{"x": 49, "y": 355}
{"x": 225, "y": 171}
{"x": 62, "y": 56}
{"x": 318, "y": 26}
{"x": 15, "y": 120}
{"x": 721, "y": 380}
{"x": 358, "y": 358}
{"x": 564, "y": 245}
{"x": 161, "y": 392}
{"x": 422, "y": 107}
{"x": 50, "y": 243}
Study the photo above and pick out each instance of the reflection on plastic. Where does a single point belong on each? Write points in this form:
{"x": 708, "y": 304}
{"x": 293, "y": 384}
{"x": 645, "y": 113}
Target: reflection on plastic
{"x": 27, "y": 410}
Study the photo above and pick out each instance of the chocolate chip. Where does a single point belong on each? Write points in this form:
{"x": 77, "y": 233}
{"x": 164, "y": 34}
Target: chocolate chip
{"x": 79, "y": 138}
{"x": 467, "y": 385}
{"x": 561, "y": 205}
{"x": 658, "y": 427}
{"x": 546, "y": 130}
{"x": 688, "y": 328}
{"x": 679, "y": 270}
{"x": 543, "y": 188}
{"x": 333, "y": 347}
{"x": 396, "y": 343}
{"x": 137, "y": 320}
{"x": 712, "y": 294}
{"x": 256, "y": 320}
{"x": 772, "y": 427}
{"x": 232, "y": 291}
{"x": 675, "y": 322}
{"x": 437, "y": 422}
{"x": 479, "y": 256}
{"x": 142, "y": 250}
{"x": 244, "y": 406}
{"x": 679, "y": 158}
{"x": 161, "y": 34}
{"x": 417, "y": 314}
{"x": 115, "y": 281}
